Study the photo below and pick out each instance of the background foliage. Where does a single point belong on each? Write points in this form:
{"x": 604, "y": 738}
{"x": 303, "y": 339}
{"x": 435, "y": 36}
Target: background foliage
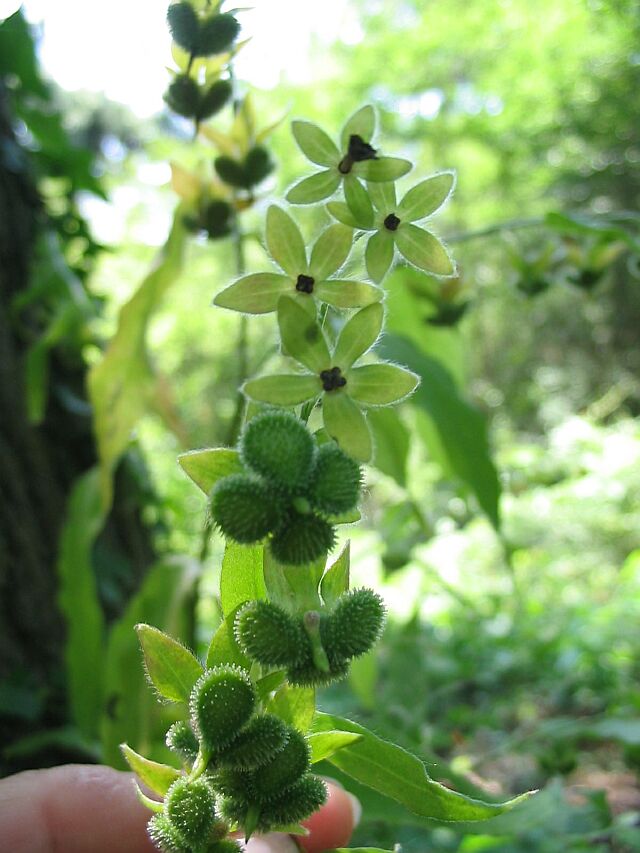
{"x": 501, "y": 521}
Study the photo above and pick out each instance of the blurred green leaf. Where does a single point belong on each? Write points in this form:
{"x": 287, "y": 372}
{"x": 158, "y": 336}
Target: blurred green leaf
{"x": 336, "y": 579}
{"x": 391, "y": 440}
{"x": 242, "y": 578}
{"x": 206, "y": 467}
{"x": 294, "y": 705}
{"x": 314, "y": 188}
{"x": 315, "y": 144}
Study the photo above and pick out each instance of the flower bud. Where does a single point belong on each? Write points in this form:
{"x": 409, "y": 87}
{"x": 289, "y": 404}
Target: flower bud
{"x": 222, "y": 702}
{"x": 183, "y": 96}
{"x": 302, "y": 539}
{"x": 283, "y": 769}
{"x": 215, "y": 97}
{"x": 297, "y": 803}
{"x": 256, "y": 744}
{"x": 278, "y": 445}
{"x": 335, "y": 481}
{"x": 244, "y": 508}
{"x": 269, "y": 635}
{"x": 181, "y": 739}
{"x": 354, "y": 626}
{"x": 190, "y": 808}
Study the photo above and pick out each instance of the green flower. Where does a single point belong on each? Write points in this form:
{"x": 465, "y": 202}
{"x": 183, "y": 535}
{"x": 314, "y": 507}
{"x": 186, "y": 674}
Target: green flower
{"x": 392, "y": 224}
{"x": 343, "y": 388}
{"x": 307, "y": 280}
{"x": 354, "y": 159}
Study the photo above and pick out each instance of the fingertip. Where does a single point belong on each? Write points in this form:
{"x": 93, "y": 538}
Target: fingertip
{"x": 333, "y": 824}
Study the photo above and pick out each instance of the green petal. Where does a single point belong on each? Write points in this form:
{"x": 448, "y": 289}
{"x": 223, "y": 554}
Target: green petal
{"x": 380, "y": 384}
{"x": 344, "y": 422}
{"x": 383, "y": 196}
{"x": 315, "y": 187}
{"x": 315, "y": 144}
{"x": 330, "y": 251}
{"x": 340, "y": 211}
{"x": 384, "y": 169}
{"x": 379, "y": 254}
{"x": 301, "y": 336}
{"x": 426, "y": 197}
{"x": 358, "y": 335}
{"x": 285, "y": 389}
{"x": 423, "y": 250}
{"x": 348, "y": 294}
{"x": 362, "y": 123}
{"x": 254, "y": 294}
{"x": 285, "y": 242}
{"x": 358, "y": 200}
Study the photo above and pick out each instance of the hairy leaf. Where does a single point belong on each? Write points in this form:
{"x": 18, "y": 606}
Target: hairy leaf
{"x": 206, "y": 467}
{"x": 171, "y": 667}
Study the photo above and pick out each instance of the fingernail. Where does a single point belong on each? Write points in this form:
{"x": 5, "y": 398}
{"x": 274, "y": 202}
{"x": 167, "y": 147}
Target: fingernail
{"x": 356, "y": 809}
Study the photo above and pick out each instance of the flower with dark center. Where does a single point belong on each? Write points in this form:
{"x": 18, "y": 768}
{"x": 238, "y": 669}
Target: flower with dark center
{"x": 332, "y": 379}
{"x": 391, "y": 222}
{"x": 305, "y": 283}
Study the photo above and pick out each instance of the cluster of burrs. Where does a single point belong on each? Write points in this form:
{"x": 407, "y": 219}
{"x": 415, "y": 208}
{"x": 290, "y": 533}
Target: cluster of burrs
{"x": 291, "y": 491}
{"x": 316, "y": 647}
{"x": 243, "y": 768}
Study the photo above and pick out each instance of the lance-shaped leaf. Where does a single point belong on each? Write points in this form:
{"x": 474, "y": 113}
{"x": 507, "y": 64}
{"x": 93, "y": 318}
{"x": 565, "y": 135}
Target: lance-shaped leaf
{"x": 302, "y": 336}
{"x": 285, "y": 242}
{"x": 345, "y": 422}
{"x": 426, "y": 197}
{"x": 378, "y": 255}
{"x": 314, "y": 143}
{"x": 358, "y": 201}
{"x": 315, "y": 187}
{"x": 423, "y": 250}
{"x": 381, "y": 384}
{"x": 385, "y": 169}
{"x": 358, "y": 335}
{"x": 285, "y": 389}
{"x": 330, "y": 251}
{"x": 172, "y": 668}
{"x": 157, "y": 777}
{"x": 206, "y": 467}
{"x": 397, "y": 774}
{"x": 345, "y": 293}
{"x": 257, "y": 293}
{"x": 383, "y": 196}
{"x": 362, "y": 123}
{"x": 325, "y": 744}
{"x": 340, "y": 211}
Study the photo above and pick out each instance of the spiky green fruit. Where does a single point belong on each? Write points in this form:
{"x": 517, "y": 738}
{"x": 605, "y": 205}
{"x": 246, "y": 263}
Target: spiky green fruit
{"x": 230, "y": 171}
{"x": 257, "y": 165}
{"x": 234, "y": 784}
{"x": 227, "y": 845}
{"x": 278, "y": 445}
{"x": 184, "y": 25}
{"x": 308, "y": 675}
{"x": 164, "y": 836}
{"x": 259, "y": 742}
{"x": 221, "y": 704}
{"x": 183, "y": 96}
{"x": 217, "y": 34}
{"x": 244, "y": 508}
{"x": 215, "y": 97}
{"x": 335, "y": 481}
{"x": 217, "y": 219}
{"x": 297, "y": 803}
{"x": 302, "y": 539}
{"x": 190, "y": 809}
{"x": 354, "y": 626}
{"x": 283, "y": 769}
{"x": 269, "y": 635}
{"x": 181, "y": 739}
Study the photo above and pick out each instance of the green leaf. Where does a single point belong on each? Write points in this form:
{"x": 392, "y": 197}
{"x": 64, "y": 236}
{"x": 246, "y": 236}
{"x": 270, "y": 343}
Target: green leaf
{"x": 401, "y": 776}
{"x": 257, "y": 293}
{"x": 315, "y": 187}
{"x": 325, "y": 744}
{"x": 340, "y": 211}
{"x": 362, "y": 123}
{"x": 461, "y": 428}
{"x": 241, "y": 579}
{"x": 268, "y": 684}
{"x": 315, "y": 144}
{"x": 154, "y": 805}
{"x": 301, "y": 336}
{"x": 358, "y": 201}
{"x": 294, "y": 705}
{"x": 426, "y": 197}
{"x": 172, "y": 668}
{"x": 121, "y": 384}
{"x": 383, "y": 196}
{"x": 206, "y": 467}
{"x": 344, "y": 421}
{"x": 158, "y": 777}
{"x": 79, "y": 603}
{"x": 285, "y": 242}
{"x": 381, "y": 384}
{"x": 336, "y": 579}
{"x": 344, "y": 293}
{"x": 285, "y": 389}
{"x": 424, "y": 250}
{"x": 330, "y": 251}
{"x": 391, "y": 441}
{"x": 383, "y": 170}
{"x": 223, "y": 648}
{"x": 130, "y": 709}
{"x": 379, "y": 254}
{"x": 358, "y": 335}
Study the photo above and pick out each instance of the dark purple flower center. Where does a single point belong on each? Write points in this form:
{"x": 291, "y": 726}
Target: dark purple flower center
{"x": 332, "y": 379}
{"x": 391, "y": 222}
{"x": 305, "y": 283}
